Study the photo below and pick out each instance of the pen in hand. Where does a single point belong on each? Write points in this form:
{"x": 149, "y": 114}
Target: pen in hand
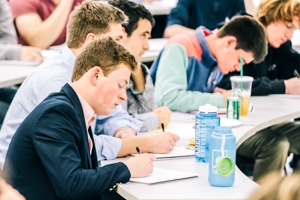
{"x": 138, "y": 150}
{"x": 163, "y": 127}
{"x": 162, "y": 104}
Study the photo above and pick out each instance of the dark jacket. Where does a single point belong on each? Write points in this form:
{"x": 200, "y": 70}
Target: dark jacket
{"x": 49, "y": 157}
{"x": 269, "y": 75}
{"x": 208, "y": 13}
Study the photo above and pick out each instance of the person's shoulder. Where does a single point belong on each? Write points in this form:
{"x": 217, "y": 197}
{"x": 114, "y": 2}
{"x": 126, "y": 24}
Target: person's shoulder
{"x": 24, "y": 7}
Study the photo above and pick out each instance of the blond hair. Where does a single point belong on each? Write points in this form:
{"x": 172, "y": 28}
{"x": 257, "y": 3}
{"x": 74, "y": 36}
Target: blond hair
{"x": 91, "y": 17}
{"x": 270, "y": 11}
{"x": 105, "y": 53}
{"x": 276, "y": 187}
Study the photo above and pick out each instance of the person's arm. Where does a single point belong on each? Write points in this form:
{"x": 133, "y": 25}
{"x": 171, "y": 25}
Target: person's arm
{"x": 285, "y": 59}
{"x": 171, "y": 81}
{"x": 10, "y": 51}
{"x": 117, "y": 121}
{"x": 150, "y": 120}
{"x": 108, "y": 147}
{"x": 40, "y": 33}
{"x": 178, "y": 19}
{"x": 68, "y": 177}
{"x": 7, "y": 30}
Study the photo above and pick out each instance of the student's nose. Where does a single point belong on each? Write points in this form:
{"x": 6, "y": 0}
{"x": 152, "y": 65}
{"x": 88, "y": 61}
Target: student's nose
{"x": 146, "y": 45}
{"x": 123, "y": 95}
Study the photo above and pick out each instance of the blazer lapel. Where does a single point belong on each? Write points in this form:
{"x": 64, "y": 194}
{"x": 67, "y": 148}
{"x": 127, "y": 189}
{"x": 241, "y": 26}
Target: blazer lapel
{"x": 69, "y": 91}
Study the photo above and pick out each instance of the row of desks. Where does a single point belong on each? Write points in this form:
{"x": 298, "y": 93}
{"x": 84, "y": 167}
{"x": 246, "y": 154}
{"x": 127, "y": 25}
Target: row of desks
{"x": 268, "y": 110}
{"x": 15, "y": 72}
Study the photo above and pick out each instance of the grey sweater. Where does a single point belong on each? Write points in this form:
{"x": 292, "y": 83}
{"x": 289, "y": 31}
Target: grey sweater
{"x": 9, "y": 49}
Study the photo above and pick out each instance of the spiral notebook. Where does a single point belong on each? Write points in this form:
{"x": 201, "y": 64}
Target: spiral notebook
{"x": 160, "y": 175}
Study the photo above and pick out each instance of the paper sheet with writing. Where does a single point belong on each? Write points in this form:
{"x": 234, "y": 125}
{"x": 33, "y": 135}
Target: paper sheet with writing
{"x": 177, "y": 152}
{"x": 160, "y": 175}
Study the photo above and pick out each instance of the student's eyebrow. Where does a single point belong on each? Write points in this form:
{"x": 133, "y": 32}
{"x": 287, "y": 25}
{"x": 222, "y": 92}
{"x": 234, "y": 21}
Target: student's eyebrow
{"x": 147, "y": 32}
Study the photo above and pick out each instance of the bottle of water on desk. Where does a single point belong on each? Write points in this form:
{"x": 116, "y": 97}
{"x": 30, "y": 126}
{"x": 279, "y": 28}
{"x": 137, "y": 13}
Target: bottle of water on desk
{"x": 222, "y": 153}
{"x": 206, "y": 121}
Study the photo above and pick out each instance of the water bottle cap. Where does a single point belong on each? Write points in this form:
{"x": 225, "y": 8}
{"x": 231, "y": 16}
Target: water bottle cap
{"x": 225, "y": 166}
{"x": 208, "y": 108}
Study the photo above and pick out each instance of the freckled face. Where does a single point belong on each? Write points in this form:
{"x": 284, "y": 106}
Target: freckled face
{"x": 112, "y": 90}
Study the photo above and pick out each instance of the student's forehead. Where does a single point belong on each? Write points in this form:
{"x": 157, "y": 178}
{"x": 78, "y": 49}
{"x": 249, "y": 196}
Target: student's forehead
{"x": 144, "y": 25}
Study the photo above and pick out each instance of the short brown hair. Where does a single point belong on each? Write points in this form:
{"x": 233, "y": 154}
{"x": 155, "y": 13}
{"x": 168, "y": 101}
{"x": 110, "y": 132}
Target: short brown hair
{"x": 105, "y": 53}
{"x": 250, "y": 35}
{"x": 270, "y": 11}
{"x": 91, "y": 17}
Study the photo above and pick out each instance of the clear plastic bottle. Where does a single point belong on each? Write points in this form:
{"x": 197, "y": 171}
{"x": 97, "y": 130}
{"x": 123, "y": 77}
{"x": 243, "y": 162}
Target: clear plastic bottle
{"x": 206, "y": 121}
{"x": 222, "y": 153}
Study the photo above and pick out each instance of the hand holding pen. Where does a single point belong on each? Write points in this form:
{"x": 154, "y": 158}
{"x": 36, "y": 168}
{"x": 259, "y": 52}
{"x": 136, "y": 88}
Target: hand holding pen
{"x": 163, "y": 114}
{"x": 292, "y": 85}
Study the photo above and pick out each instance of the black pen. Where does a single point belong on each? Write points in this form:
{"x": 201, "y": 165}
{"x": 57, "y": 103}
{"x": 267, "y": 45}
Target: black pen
{"x": 163, "y": 127}
{"x": 296, "y": 73}
{"x": 138, "y": 150}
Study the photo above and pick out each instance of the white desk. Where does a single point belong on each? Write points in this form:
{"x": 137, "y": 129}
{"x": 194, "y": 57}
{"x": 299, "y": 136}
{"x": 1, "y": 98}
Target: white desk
{"x": 15, "y": 72}
{"x": 11, "y": 75}
{"x": 267, "y": 111}
{"x": 162, "y": 7}
{"x": 155, "y": 46}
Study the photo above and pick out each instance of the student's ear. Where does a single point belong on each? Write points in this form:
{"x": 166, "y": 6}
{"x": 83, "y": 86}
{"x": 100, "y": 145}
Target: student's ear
{"x": 231, "y": 42}
{"x": 90, "y": 37}
{"x": 96, "y": 75}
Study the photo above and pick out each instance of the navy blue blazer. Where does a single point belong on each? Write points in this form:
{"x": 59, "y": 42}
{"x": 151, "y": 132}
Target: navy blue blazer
{"x": 49, "y": 157}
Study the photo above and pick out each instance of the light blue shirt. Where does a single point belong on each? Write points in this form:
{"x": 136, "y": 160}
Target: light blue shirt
{"x": 50, "y": 77}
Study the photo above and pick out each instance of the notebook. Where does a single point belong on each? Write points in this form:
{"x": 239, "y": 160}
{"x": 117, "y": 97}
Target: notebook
{"x": 160, "y": 175}
{"x": 177, "y": 152}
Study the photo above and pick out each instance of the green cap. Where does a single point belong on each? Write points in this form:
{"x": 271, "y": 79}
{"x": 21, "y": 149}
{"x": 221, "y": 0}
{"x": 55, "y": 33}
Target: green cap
{"x": 225, "y": 166}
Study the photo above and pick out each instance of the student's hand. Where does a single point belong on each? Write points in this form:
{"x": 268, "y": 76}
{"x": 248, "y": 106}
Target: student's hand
{"x": 124, "y": 132}
{"x": 164, "y": 115}
{"x": 161, "y": 142}
{"x": 31, "y": 54}
{"x": 217, "y": 89}
{"x": 292, "y": 86}
{"x": 140, "y": 166}
{"x": 226, "y": 94}
{"x": 7, "y": 192}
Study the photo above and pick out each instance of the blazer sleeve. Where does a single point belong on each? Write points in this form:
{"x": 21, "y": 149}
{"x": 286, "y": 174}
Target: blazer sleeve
{"x": 60, "y": 147}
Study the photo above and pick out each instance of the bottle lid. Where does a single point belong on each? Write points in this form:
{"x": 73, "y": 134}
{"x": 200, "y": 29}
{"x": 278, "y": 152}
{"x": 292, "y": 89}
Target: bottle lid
{"x": 208, "y": 108}
{"x": 225, "y": 166}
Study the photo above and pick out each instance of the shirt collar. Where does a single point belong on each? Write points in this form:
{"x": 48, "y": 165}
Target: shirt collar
{"x": 207, "y": 57}
{"x": 88, "y": 112}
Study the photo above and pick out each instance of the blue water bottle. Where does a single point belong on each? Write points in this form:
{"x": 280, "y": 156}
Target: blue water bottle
{"x": 222, "y": 152}
{"x": 206, "y": 121}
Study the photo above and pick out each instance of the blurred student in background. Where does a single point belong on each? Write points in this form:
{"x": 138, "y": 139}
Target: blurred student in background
{"x": 190, "y": 14}
{"x": 270, "y": 147}
{"x": 10, "y": 50}
{"x": 140, "y": 101}
{"x": 42, "y": 23}
{"x": 274, "y": 186}
{"x": 190, "y": 66}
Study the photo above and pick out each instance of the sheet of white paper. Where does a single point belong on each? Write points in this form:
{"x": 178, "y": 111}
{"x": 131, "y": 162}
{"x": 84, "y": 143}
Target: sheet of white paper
{"x": 160, "y": 175}
{"x": 177, "y": 152}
